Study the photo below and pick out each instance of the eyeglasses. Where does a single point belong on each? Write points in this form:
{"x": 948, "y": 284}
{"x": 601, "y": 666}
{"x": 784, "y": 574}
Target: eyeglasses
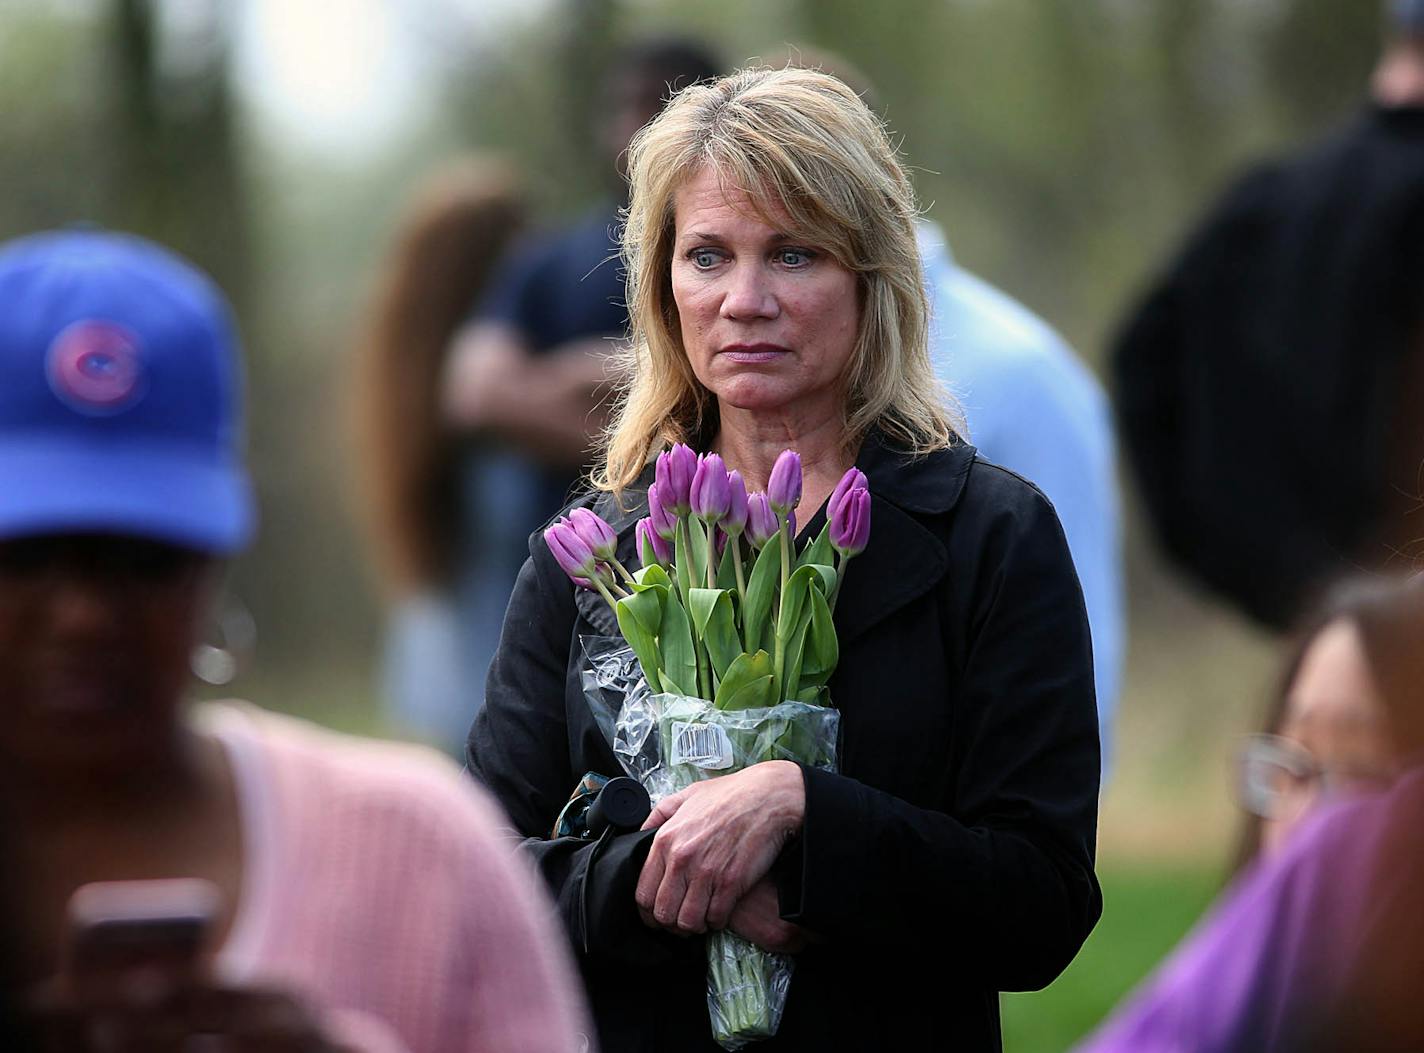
{"x": 1278, "y": 777}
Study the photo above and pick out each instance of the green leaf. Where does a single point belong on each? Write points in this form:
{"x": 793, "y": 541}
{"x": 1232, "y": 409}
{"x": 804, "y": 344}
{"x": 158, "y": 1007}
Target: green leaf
{"x": 825, "y": 577}
{"x": 820, "y": 550}
{"x": 651, "y": 575}
{"x": 697, "y": 531}
{"x": 795, "y": 652}
{"x": 794, "y": 600}
{"x": 766, "y": 576}
{"x": 644, "y": 643}
{"x": 822, "y": 647}
{"x": 727, "y": 570}
{"x": 679, "y": 668}
{"x": 744, "y": 669}
{"x": 718, "y": 630}
{"x": 646, "y": 605}
{"x": 756, "y": 695}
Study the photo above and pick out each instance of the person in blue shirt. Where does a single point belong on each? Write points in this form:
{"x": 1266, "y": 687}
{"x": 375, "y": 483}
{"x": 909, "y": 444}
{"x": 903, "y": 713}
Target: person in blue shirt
{"x": 1034, "y": 407}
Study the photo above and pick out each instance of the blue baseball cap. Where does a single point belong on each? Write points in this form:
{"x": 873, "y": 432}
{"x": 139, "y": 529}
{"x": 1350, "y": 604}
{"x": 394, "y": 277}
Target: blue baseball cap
{"x": 120, "y": 395}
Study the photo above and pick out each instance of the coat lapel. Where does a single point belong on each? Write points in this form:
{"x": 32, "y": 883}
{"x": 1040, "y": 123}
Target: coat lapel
{"x": 902, "y": 562}
{"x": 904, "y": 559}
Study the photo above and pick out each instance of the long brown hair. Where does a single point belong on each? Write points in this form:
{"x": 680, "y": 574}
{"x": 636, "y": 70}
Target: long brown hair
{"x": 453, "y": 231}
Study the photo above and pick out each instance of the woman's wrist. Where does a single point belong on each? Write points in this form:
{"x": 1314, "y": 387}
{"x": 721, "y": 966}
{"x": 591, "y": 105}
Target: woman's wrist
{"x": 787, "y": 799}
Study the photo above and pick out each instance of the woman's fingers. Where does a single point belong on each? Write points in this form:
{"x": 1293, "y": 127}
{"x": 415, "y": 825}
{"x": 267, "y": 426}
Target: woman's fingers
{"x": 757, "y": 918}
{"x": 714, "y": 840}
{"x": 665, "y": 809}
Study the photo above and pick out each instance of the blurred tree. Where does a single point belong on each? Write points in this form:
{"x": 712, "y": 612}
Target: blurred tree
{"x": 176, "y": 174}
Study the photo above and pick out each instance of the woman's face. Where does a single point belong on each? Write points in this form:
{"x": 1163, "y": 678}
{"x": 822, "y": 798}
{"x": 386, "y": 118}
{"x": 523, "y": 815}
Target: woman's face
{"x": 769, "y": 323}
{"x": 95, "y": 636}
{"x": 1334, "y": 711}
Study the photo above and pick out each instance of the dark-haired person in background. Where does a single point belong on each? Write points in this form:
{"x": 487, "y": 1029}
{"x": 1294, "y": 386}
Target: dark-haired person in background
{"x": 524, "y": 378}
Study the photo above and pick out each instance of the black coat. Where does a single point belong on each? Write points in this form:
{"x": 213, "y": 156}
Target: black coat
{"x": 1269, "y": 381}
{"x": 951, "y": 859}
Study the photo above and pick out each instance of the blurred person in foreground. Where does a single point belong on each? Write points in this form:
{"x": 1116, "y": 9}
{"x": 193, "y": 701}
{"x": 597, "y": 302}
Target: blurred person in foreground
{"x": 432, "y": 550}
{"x": 777, "y": 300}
{"x": 1326, "y": 733}
{"x": 1270, "y": 387}
{"x": 1320, "y": 944}
{"x": 368, "y": 898}
{"x": 525, "y": 382}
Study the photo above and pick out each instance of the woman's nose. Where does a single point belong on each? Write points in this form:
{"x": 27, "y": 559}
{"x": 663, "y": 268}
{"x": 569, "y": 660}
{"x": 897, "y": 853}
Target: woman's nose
{"x": 750, "y": 294}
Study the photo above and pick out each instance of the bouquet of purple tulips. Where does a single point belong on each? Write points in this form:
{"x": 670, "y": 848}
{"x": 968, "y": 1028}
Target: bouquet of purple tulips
{"x": 732, "y": 628}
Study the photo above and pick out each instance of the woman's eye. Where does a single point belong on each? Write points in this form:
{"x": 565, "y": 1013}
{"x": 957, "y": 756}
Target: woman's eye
{"x": 794, "y": 257}
{"x": 703, "y": 258}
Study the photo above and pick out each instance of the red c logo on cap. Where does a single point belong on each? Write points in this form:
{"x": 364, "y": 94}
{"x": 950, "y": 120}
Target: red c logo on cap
{"x": 95, "y": 368}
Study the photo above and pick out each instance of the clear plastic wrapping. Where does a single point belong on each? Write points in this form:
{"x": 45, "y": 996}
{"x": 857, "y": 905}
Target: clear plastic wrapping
{"x": 668, "y": 742}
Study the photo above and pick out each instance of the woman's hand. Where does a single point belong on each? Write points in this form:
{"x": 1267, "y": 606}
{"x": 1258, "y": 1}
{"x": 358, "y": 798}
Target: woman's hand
{"x": 757, "y": 919}
{"x": 715, "y": 840}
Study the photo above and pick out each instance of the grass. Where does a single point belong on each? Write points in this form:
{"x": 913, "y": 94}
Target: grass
{"x": 1148, "y": 907}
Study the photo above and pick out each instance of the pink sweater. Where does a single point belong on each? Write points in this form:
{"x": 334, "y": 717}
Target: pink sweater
{"x": 380, "y": 886}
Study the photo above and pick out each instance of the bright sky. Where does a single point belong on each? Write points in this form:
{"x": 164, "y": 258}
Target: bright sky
{"x": 330, "y": 76}
{"x": 345, "y": 76}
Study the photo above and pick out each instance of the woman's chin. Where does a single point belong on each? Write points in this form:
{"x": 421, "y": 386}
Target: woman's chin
{"x": 755, "y": 395}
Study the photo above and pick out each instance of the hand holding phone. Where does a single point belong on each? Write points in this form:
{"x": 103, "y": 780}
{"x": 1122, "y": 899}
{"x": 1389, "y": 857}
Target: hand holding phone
{"x": 125, "y": 936}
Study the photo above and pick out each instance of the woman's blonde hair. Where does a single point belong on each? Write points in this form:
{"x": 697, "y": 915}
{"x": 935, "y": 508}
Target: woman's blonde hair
{"x": 801, "y": 145}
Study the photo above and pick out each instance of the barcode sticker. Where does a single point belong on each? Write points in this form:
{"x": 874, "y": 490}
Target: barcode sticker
{"x": 703, "y": 745}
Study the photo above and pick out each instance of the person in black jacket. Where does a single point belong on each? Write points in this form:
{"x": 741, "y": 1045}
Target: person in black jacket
{"x": 776, "y": 297}
{"x": 1268, "y": 386}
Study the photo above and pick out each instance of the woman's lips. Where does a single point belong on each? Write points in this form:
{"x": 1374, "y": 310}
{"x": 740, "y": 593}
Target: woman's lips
{"x": 752, "y": 354}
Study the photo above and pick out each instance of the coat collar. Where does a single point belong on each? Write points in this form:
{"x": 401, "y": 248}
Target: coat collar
{"x": 903, "y": 561}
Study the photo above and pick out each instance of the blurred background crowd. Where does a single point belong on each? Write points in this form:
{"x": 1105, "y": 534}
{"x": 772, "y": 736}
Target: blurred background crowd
{"x": 362, "y": 175}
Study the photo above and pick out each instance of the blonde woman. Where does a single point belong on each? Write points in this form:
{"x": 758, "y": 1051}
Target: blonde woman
{"x": 777, "y": 301}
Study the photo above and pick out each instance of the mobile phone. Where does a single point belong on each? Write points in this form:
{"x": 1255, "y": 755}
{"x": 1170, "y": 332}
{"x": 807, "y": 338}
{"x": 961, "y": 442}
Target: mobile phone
{"x": 161, "y": 928}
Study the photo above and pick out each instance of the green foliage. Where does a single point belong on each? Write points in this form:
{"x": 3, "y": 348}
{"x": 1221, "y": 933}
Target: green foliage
{"x": 1147, "y": 910}
{"x": 679, "y": 654}
{"x": 761, "y": 591}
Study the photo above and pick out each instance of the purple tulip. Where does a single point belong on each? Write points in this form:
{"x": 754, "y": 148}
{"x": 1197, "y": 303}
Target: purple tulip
{"x": 850, "y": 522}
{"x": 761, "y": 520}
{"x": 783, "y": 489}
{"x": 674, "y": 471}
{"x": 571, "y": 551}
{"x": 735, "y": 521}
{"x": 664, "y": 522}
{"x": 651, "y": 548}
{"x": 853, "y": 477}
{"x": 596, "y": 534}
{"x": 711, "y": 491}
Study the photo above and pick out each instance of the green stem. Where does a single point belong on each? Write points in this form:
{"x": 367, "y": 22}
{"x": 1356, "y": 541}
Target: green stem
{"x": 779, "y": 659}
{"x": 736, "y": 544}
{"x": 603, "y": 589}
{"x": 841, "y": 562}
{"x": 618, "y": 566}
{"x": 684, "y": 579}
{"x": 711, "y": 557}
